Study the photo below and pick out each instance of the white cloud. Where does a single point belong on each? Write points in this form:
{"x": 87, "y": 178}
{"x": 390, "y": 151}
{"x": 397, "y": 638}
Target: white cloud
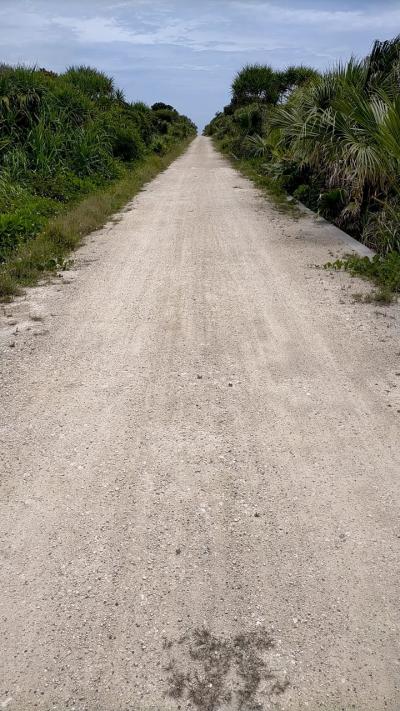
{"x": 344, "y": 20}
{"x": 189, "y": 67}
{"x": 94, "y": 29}
{"x": 100, "y": 29}
{"x": 234, "y": 26}
{"x": 199, "y": 43}
{"x": 199, "y": 35}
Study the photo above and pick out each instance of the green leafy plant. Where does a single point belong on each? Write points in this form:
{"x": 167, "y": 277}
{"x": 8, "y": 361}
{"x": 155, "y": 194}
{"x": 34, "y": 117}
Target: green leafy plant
{"x": 258, "y": 146}
{"x": 331, "y": 203}
{"x": 332, "y": 140}
{"x": 383, "y": 271}
{"x": 63, "y": 138}
{"x": 382, "y": 229}
{"x": 308, "y": 195}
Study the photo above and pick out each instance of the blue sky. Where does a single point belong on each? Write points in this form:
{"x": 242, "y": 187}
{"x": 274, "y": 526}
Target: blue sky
{"x": 185, "y": 52}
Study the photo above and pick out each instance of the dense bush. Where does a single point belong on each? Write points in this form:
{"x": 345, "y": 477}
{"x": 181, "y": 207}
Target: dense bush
{"x": 332, "y": 139}
{"x": 62, "y": 136}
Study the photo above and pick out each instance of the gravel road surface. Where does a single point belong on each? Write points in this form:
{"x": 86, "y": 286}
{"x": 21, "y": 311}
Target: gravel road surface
{"x": 200, "y": 466}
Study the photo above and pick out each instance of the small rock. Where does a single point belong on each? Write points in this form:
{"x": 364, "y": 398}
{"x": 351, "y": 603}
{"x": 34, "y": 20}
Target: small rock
{"x": 11, "y": 344}
{"x": 36, "y": 316}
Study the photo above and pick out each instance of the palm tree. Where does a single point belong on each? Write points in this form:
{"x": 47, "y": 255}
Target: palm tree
{"x": 347, "y": 135}
{"x": 383, "y": 61}
{"x": 256, "y": 83}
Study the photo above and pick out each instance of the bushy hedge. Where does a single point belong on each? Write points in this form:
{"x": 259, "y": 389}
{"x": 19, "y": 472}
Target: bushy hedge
{"x": 331, "y": 139}
{"x": 62, "y": 136}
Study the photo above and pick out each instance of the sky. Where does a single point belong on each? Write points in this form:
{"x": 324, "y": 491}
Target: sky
{"x": 186, "y": 52}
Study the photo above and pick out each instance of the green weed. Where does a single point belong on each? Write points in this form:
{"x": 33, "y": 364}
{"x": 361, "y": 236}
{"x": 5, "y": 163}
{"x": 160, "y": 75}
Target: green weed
{"x": 384, "y": 272}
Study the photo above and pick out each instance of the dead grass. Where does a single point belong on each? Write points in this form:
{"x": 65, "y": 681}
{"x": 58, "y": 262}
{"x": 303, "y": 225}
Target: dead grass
{"x": 48, "y": 251}
{"x": 214, "y": 672}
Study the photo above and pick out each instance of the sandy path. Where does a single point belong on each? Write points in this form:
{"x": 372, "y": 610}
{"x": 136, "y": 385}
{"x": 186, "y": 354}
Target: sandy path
{"x": 200, "y": 431}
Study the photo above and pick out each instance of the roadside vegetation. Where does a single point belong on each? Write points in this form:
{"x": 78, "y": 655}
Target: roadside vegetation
{"x": 331, "y": 140}
{"x": 72, "y": 152}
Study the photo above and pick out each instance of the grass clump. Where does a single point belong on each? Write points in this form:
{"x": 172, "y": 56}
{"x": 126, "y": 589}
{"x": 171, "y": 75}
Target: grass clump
{"x": 384, "y": 271}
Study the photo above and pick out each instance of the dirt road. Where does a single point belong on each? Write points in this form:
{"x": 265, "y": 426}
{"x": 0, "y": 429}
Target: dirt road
{"x": 200, "y": 463}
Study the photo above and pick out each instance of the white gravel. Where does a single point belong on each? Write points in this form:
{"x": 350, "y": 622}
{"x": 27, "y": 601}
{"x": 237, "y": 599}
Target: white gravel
{"x": 200, "y": 430}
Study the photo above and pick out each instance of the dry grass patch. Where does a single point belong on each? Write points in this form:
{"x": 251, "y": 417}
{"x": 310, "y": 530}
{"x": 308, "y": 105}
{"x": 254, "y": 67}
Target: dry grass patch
{"x": 213, "y": 673}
